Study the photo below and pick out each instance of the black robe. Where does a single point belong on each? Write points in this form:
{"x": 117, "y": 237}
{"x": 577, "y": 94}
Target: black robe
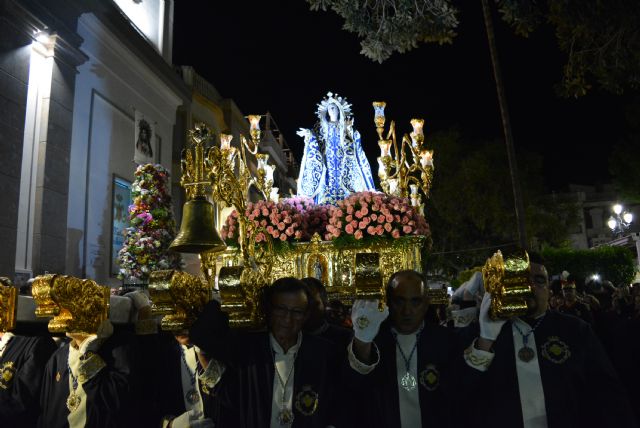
{"x": 109, "y": 393}
{"x": 22, "y": 364}
{"x": 246, "y": 389}
{"x": 581, "y": 388}
{"x": 443, "y": 377}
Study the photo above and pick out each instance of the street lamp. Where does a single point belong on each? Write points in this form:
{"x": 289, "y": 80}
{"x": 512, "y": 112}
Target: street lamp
{"x": 621, "y": 221}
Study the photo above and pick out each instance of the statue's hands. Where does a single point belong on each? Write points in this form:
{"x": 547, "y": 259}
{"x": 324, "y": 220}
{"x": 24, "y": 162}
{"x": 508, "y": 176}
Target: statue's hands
{"x": 304, "y": 133}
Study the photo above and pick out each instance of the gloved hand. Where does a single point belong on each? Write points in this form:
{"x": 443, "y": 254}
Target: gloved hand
{"x": 489, "y": 329}
{"x": 366, "y": 319}
{"x": 141, "y": 302}
{"x": 191, "y": 419}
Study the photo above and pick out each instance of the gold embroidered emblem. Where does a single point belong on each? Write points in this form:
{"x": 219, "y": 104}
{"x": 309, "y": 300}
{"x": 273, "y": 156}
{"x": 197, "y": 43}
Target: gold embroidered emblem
{"x": 6, "y": 376}
{"x": 307, "y": 401}
{"x": 430, "y": 378}
{"x": 58, "y": 377}
{"x": 555, "y": 350}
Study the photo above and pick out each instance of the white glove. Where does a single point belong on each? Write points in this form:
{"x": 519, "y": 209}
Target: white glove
{"x": 191, "y": 419}
{"x": 366, "y": 319}
{"x": 474, "y": 283}
{"x": 489, "y": 329}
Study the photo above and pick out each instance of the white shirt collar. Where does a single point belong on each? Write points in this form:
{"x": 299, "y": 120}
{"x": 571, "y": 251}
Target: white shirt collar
{"x": 278, "y": 349}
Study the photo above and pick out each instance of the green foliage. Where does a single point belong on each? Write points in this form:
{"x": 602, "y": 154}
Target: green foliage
{"x": 615, "y": 264}
{"x": 471, "y": 210}
{"x": 624, "y": 162}
{"x": 386, "y": 26}
{"x": 600, "y": 38}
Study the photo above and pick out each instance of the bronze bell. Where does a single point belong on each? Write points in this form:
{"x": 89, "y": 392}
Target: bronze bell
{"x": 197, "y": 231}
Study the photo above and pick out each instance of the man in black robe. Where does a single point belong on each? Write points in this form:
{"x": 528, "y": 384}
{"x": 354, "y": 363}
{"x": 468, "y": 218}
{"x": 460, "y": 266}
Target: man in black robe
{"x": 317, "y": 323}
{"x": 278, "y": 378}
{"x": 406, "y": 372}
{"x": 22, "y": 362}
{"x": 546, "y": 369}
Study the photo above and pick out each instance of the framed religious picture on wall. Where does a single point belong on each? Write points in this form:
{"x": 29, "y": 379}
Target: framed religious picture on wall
{"x": 120, "y": 201}
{"x": 145, "y": 139}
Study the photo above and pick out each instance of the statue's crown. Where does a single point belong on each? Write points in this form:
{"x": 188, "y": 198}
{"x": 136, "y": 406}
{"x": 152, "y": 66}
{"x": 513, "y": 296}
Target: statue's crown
{"x": 332, "y": 98}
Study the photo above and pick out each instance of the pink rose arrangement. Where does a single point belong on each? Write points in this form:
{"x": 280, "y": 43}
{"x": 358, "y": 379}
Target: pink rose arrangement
{"x": 282, "y": 221}
{"x": 365, "y": 215}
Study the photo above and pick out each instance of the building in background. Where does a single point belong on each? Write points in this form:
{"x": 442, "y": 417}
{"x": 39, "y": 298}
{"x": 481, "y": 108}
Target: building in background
{"x": 77, "y": 79}
{"x": 73, "y": 73}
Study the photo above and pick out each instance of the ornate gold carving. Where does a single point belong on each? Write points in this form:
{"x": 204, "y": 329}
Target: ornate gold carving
{"x": 8, "y": 304}
{"x": 78, "y": 305}
{"x": 239, "y": 292}
{"x": 178, "y": 296}
{"x": 509, "y": 283}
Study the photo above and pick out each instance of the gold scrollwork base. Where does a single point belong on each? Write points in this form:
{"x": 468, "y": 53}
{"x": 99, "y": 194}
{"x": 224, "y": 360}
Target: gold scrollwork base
{"x": 348, "y": 273}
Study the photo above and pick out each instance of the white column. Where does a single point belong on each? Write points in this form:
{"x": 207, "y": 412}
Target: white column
{"x": 34, "y": 143}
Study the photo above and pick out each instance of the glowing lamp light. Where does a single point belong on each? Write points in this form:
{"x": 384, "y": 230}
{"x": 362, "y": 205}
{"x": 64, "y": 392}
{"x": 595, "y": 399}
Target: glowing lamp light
{"x": 225, "y": 141}
{"x": 274, "y": 194}
{"x": 393, "y": 186}
{"x": 418, "y": 125}
{"x": 612, "y": 223}
{"x": 617, "y": 208}
{"x": 254, "y": 121}
{"x": 595, "y": 277}
{"x": 627, "y": 217}
{"x": 262, "y": 158}
{"x": 426, "y": 158}
{"x": 385, "y": 147}
{"x": 268, "y": 169}
{"x": 42, "y": 37}
{"x": 378, "y": 111}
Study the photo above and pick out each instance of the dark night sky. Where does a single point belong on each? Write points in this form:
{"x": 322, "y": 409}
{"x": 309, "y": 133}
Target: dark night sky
{"x": 282, "y": 57}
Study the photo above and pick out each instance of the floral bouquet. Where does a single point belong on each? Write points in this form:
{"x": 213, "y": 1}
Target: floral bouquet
{"x": 283, "y": 221}
{"x": 314, "y": 217}
{"x": 146, "y": 246}
{"x": 370, "y": 215}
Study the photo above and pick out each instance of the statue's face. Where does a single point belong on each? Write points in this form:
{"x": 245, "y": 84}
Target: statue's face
{"x": 333, "y": 111}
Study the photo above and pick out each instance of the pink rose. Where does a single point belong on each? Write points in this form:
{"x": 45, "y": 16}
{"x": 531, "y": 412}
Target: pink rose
{"x": 298, "y": 234}
{"x": 269, "y": 229}
{"x": 364, "y": 210}
{"x": 362, "y": 225}
{"x": 405, "y": 220}
{"x": 283, "y": 237}
{"x": 387, "y": 227}
{"x": 406, "y": 229}
{"x": 374, "y": 216}
{"x": 263, "y": 223}
{"x": 359, "y": 214}
{"x": 275, "y": 234}
{"x": 256, "y": 212}
{"x": 289, "y": 231}
{"x": 265, "y": 212}
{"x": 349, "y": 209}
{"x": 349, "y": 217}
{"x": 371, "y": 230}
{"x": 349, "y": 229}
{"x": 395, "y": 234}
{"x": 260, "y": 237}
{"x": 381, "y": 219}
{"x": 379, "y": 229}
{"x": 358, "y": 234}
{"x": 354, "y": 224}
{"x": 281, "y": 226}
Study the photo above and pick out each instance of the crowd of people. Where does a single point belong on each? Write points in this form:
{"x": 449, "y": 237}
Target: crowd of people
{"x": 405, "y": 364}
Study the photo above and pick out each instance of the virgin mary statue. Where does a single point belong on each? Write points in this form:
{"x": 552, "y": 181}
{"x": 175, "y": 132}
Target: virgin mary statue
{"x": 333, "y": 164}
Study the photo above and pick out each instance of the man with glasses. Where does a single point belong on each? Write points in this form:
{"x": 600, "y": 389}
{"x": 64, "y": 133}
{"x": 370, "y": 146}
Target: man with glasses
{"x": 545, "y": 369}
{"x": 278, "y": 378}
{"x": 571, "y": 305}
